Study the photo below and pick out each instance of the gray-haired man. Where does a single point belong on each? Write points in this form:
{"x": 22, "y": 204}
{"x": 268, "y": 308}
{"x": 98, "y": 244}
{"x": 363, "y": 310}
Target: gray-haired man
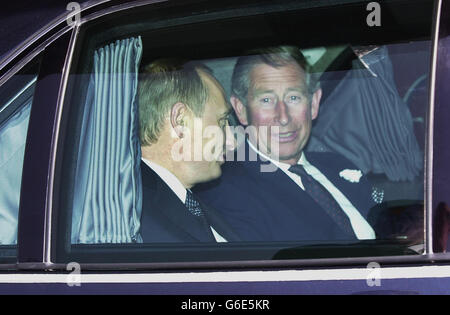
{"x": 310, "y": 196}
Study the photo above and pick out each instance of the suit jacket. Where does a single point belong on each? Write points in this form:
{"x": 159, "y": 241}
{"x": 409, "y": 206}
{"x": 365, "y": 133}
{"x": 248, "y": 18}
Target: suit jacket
{"x": 269, "y": 206}
{"x": 166, "y": 219}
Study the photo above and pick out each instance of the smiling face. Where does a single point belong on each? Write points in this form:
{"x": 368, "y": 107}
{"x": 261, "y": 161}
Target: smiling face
{"x": 278, "y": 97}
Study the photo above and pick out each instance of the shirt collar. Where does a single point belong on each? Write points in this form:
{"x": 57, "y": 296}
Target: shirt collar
{"x": 284, "y": 166}
{"x": 170, "y": 179}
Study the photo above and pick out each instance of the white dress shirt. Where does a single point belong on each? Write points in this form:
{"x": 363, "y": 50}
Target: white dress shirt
{"x": 177, "y": 187}
{"x": 361, "y": 227}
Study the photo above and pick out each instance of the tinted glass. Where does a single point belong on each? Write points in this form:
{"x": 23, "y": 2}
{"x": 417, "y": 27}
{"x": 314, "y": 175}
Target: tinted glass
{"x": 16, "y": 96}
{"x": 253, "y": 132}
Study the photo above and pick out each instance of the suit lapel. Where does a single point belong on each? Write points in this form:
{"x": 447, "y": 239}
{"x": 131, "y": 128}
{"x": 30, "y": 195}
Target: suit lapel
{"x": 272, "y": 181}
{"x": 350, "y": 190}
{"x": 285, "y": 189}
{"x": 170, "y": 207}
{"x": 278, "y": 176}
{"x": 288, "y": 191}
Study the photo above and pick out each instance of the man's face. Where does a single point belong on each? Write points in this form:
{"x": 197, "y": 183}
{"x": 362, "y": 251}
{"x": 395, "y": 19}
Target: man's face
{"x": 213, "y": 127}
{"x": 278, "y": 97}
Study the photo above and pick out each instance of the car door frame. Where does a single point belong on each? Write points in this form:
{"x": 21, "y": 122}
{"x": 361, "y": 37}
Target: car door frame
{"x": 35, "y": 216}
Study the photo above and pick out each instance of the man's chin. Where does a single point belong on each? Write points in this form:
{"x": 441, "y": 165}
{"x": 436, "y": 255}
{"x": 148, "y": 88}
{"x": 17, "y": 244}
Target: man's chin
{"x": 212, "y": 175}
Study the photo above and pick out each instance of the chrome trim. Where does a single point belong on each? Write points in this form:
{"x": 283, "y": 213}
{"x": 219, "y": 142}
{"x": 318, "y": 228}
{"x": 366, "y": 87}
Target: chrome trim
{"x": 200, "y": 266}
{"x": 18, "y": 94}
{"x": 430, "y": 146}
{"x": 119, "y": 7}
{"x": 54, "y": 145}
{"x": 44, "y": 30}
{"x": 213, "y": 277}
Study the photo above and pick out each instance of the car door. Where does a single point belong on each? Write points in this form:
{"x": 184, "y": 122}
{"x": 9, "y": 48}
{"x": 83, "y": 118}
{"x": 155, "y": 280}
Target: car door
{"x": 413, "y": 36}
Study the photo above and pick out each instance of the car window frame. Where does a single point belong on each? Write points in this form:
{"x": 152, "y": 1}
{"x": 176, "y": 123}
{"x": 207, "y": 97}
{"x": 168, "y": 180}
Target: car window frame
{"x": 30, "y": 188}
{"x": 32, "y": 53}
{"x": 48, "y": 253}
{"x": 20, "y": 89}
{"x": 438, "y": 159}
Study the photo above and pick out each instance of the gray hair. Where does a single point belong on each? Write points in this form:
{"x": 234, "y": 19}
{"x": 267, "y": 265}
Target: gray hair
{"x": 273, "y": 56}
{"x": 162, "y": 84}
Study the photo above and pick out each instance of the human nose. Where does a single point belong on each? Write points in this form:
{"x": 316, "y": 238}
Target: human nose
{"x": 282, "y": 113}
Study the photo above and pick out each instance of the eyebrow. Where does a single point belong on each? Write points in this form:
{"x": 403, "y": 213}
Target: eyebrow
{"x": 301, "y": 89}
{"x": 260, "y": 91}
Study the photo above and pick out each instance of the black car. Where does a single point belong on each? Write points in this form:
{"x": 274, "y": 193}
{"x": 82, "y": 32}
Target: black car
{"x": 69, "y": 191}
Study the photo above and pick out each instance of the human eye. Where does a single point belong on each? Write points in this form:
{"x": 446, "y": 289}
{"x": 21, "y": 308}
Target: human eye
{"x": 267, "y": 100}
{"x": 294, "y": 99}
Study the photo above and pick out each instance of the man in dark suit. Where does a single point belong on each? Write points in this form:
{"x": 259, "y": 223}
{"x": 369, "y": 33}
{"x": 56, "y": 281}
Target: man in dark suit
{"x": 293, "y": 195}
{"x": 178, "y": 100}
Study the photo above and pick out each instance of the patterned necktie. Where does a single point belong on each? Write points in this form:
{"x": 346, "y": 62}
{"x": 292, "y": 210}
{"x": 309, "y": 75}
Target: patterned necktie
{"x": 323, "y": 197}
{"x": 192, "y": 204}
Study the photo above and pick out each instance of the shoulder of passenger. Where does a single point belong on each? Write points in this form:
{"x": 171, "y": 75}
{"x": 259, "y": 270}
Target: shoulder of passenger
{"x": 329, "y": 157}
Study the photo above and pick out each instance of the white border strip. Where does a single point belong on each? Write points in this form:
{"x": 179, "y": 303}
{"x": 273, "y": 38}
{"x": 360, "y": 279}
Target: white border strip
{"x": 237, "y": 276}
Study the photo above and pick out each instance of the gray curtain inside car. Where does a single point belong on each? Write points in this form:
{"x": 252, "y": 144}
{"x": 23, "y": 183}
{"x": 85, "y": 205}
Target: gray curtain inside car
{"x": 365, "y": 119}
{"x": 13, "y": 134}
{"x": 107, "y": 195}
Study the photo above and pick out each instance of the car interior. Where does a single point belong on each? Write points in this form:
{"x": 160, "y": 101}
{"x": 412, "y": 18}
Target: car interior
{"x": 101, "y": 205}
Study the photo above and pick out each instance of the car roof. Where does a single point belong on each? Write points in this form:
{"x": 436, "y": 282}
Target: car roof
{"x": 22, "y": 21}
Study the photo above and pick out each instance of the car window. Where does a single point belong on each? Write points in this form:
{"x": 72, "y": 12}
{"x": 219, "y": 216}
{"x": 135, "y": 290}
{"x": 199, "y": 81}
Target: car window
{"x": 225, "y": 135}
{"x": 16, "y": 97}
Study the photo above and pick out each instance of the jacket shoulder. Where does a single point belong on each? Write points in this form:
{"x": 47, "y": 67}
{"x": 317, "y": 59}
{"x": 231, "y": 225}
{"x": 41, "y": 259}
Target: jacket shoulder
{"x": 329, "y": 160}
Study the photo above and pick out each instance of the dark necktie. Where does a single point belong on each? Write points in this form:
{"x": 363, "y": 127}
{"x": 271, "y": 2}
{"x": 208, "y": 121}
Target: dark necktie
{"x": 323, "y": 197}
{"x": 195, "y": 209}
{"x": 192, "y": 204}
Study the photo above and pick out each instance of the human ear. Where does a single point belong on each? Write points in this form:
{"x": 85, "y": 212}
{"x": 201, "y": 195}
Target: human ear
{"x": 239, "y": 109}
{"x": 178, "y": 115}
{"x": 315, "y": 102}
